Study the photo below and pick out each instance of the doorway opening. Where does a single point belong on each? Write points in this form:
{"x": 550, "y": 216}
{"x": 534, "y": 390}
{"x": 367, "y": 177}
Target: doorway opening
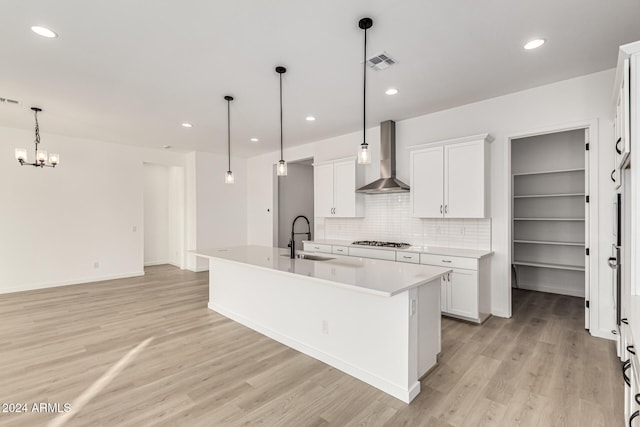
{"x": 294, "y": 197}
{"x": 550, "y": 218}
{"x": 163, "y": 215}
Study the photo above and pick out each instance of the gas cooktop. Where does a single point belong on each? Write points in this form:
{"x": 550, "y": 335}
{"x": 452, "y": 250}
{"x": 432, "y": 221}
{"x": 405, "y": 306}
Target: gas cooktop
{"x": 383, "y": 244}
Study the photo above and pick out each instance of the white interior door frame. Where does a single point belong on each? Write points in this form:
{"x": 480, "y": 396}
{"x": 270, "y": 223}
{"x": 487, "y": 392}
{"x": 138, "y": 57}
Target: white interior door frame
{"x": 591, "y": 218}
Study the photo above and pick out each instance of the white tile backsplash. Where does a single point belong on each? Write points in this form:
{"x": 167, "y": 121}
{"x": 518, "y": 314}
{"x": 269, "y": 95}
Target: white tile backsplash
{"x": 388, "y": 218}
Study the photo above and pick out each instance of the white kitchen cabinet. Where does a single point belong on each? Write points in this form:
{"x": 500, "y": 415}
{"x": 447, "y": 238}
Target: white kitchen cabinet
{"x": 465, "y": 292}
{"x": 335, "y": 185}
{"x": 385, "y": 254}
{"x": 317, "y": 247}
{"x": 449, "y": 179}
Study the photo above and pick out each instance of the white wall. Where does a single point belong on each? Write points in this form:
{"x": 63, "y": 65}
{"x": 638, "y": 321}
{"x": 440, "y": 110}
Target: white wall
{"x": 156, "y": 214}
{"x": 55, "y": 224}
{"x": 163, "y": 215}
{"x": 219, "y": 211}
{"x": 581, "y": 99}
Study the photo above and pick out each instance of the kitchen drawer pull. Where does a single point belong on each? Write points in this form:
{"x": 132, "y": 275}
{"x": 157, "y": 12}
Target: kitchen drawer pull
{"x": 630, "y": 349}
{"x": 612, "y": 173}
{"x": 637, "y": 397}
{"x": 626, "y": 365}
{"x": 446, "y": 260}
{"x": 407, "y": 257}
{"x": 634, "y": 415}
{"x": 618, "y": 143}
{"x": 316, "y": 247}
{"x": 446, "y": 208}
{"x": 625, "y": 320}
{"x": 440, "y": 208}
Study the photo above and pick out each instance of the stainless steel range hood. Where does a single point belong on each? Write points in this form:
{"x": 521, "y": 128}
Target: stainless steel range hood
{"x": 387, "y": 183}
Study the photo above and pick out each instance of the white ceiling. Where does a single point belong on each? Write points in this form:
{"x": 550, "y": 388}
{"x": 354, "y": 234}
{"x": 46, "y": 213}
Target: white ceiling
{"x": 132, "y": 71}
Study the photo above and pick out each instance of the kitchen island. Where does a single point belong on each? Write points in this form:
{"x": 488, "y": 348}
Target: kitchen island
{"x": 376, "y": 320}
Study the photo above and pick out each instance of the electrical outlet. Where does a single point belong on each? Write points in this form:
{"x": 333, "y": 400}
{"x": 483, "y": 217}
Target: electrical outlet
{"x": 325, "y": 327}
{"x": 96, "y": 264}
{"x": 414, "y": 307}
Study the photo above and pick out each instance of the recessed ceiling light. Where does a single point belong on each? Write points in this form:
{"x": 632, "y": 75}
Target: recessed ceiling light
{"x": 391, "y": 91}
{"x": 535, "y": 43}
{"x": 311, "y": 118}
{"x": 44, "y": 32}
{"x": 254, "y": 140}
{"x": 187, "y": 125}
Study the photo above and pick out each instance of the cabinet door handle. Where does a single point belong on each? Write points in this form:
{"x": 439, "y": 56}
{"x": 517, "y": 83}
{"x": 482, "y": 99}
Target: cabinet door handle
{"x": 612, "y": 173}
{"x": 637, "y": 397}
{"x": 626, "y": 365}
{"x": 631, "y": 350}
{"x": 406, "y": 257}
{"x": 625, "y": 320}
{"x": 634, "y": 415}
{"x": 440, "y": 208}
{"x": 446, "y": 209}
{"x": 446, "y": 260}
{"x": 618, "y": 143}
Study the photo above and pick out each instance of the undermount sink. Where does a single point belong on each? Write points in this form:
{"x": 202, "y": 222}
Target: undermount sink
{"x": 314, "y": 257}
{"x": 310, "y": 257}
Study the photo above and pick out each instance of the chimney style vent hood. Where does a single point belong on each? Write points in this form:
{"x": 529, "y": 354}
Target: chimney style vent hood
{"x": 387, "y": 182}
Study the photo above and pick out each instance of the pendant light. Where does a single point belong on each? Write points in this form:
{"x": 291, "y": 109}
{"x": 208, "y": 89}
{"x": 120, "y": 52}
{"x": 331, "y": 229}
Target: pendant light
{"x": 228, "y": 178}
{"x": 41, "y": 155}
{"x": 282, "y": 165}
{"x": 364, "y": 157}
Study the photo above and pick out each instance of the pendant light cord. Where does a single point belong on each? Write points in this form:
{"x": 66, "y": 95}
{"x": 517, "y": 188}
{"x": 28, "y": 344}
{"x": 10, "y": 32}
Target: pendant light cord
{"x": 229, "y": 131}
{"x": 281, "y": 152}
{"x": 364, "y": 91}
{"x": 37, "y": 131}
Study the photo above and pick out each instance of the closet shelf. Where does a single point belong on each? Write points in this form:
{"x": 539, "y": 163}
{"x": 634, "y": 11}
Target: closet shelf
{"x": 548, "y": 172}
{"x": 530, "y": 196}
{"x": 548, "y": 265}
{"x": 548, "y": 219}
{"x": 542, "y": 242}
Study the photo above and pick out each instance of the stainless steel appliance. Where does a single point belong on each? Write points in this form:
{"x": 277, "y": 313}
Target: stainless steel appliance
{"x": 381, "y": 244}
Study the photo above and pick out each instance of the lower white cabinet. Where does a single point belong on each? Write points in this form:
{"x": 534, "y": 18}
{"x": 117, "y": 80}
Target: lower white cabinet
{"x": 630, "y": 371}
{"x": 373, "y": 253}
{"x": 465, "y": 291}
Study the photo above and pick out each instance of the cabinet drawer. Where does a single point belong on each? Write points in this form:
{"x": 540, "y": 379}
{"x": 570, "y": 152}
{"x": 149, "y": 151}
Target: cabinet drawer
{"x": 412, "y": 257}
{"x": 341, "y": 250}
{"x": 317, "y": 247}
{"x": 449, "y": 261}
{"x": 373, "y": 253}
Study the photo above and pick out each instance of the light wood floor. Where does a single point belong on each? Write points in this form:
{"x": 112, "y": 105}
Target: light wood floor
{"x": 539, "y": 368}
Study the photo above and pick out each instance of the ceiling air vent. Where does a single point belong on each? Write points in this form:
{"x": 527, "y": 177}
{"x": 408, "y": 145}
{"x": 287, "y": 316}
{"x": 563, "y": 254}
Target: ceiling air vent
{"x": 9, "y": 101}
{"x": 380, "y": 61}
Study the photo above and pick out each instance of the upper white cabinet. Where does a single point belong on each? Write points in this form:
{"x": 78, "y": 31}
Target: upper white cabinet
{"x": 335, "y": 185}
{"x": 449, "y": 179}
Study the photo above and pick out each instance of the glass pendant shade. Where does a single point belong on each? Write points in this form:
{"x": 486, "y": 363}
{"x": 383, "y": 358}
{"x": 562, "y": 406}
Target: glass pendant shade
{"x": 21, "y": 154}
{"x": 228, "y": 178}
{"x": 54, "y": 158}
{"x": 282, "y": 168}
{"x": 41, "y": 156}
{"x": 364, "y": 157}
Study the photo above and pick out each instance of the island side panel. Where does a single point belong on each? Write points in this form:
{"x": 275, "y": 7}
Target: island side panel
{"x": 367, "y": 336}
{"x": 429, "y": 326}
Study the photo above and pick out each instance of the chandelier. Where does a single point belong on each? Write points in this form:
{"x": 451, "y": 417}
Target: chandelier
{"x": 41, "y": 155}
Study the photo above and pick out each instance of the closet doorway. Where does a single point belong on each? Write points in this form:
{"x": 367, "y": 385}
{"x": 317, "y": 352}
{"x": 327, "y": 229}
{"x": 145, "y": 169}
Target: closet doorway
{"x": 550, "y": 206}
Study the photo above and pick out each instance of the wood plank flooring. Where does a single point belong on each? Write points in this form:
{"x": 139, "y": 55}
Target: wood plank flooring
{"x": 539, "y": 368}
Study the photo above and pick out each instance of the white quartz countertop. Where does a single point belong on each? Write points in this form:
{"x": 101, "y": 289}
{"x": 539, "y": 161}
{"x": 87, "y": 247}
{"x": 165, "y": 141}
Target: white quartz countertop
{"x": 384, "y": 278}
{"x": 434, "y": 250}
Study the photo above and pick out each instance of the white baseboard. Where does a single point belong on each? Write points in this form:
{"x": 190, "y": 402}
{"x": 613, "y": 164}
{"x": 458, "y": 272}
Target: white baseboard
{"x": 34, "y": 286}
{"x": 553, "y": 290}
{"x": 405, "y": 395}
{"x": 152, "y": 263}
